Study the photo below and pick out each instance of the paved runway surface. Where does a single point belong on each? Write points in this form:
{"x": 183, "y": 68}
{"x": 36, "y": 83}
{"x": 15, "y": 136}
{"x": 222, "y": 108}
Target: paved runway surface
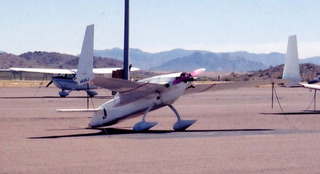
{"x": 236, "y": 132}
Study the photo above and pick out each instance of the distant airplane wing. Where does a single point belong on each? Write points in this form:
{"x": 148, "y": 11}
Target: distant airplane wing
{"x": 104, "y": 70}
{"x": 110, "y": 70}
{"x": 315, "y": 86}
{"x": 79, "y": 110}
{"x": 4, "y": 70}
{"x": 230, "y": 85}
{"x": 43, "y": 70}
{"x": 64, "y": 71}
{"x": 217, "y": 87}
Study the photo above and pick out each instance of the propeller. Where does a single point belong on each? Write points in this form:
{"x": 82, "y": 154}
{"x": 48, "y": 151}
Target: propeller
{"x": 189, "y": 77}
{"x": 198, "y": 72}
{"x": 49, "y": 83}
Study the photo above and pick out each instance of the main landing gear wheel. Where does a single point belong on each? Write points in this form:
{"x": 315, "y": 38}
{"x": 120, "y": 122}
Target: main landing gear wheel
{"x": 143, "y": 125}
{"x": 91, "y": 93}
{"x": 63, "y": 93}
{"x": 180, "y": 125}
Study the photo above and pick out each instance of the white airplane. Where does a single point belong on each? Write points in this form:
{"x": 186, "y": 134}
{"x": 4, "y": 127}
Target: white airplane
{"x": 291, "y": 71}
{"x": 68, "y": 79}
{"x": 141, "y": 97}
{"x": 134, "y": 98}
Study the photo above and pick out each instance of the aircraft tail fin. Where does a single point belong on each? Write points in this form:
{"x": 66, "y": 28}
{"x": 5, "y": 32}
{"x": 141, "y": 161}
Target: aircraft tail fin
{"x": 85, "y": 66}
{"x": 291, "y": 71}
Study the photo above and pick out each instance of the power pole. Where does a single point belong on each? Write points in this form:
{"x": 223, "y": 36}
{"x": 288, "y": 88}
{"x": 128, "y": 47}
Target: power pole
{"x": 126, "y": 72}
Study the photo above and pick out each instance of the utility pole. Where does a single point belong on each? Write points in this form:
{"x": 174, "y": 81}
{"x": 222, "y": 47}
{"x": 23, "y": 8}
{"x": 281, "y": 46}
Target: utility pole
{"x": 126, "y": 74}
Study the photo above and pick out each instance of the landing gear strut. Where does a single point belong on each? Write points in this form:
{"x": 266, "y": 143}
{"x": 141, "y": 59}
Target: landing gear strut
{"x": 181, "y": 125}
{"x": 143, "y": 125}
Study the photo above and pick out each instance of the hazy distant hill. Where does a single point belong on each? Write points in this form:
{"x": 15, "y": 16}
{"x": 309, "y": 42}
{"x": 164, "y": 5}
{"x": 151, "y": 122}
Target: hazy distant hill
{"x": 159, "y": 60}
{"x": 175, "y": 60}
{"x": 308, "y": 71}
{"x": 10, "y": 60}
{"x": 182, "y": 59}
{"x": 50, "y": 60}
{"x": 212, "y": 62}
{"x": 270, "y": 59}
{"x": 143, "y": 59}
{"x": 314, "y": 60}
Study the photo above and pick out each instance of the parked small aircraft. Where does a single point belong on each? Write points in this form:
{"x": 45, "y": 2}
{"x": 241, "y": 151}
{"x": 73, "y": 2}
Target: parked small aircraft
{"x": 67, "y": 79}
{"x": 134, "y": 98}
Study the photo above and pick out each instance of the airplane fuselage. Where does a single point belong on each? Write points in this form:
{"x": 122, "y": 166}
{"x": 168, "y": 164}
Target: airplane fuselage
{"x": 68, "y": 83}
{"x": 112, "y": 111}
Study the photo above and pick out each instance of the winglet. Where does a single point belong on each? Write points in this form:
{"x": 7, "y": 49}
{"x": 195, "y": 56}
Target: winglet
{"x": 291, "y": 70}
{"x": 85, "y": 66}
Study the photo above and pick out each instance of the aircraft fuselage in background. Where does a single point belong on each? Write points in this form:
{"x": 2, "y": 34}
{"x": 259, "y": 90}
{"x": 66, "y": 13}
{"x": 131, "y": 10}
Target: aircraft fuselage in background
{"x": 67, "y": 83}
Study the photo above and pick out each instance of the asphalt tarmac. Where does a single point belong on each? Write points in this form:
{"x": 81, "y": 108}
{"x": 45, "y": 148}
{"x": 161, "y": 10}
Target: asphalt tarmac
{"x": 236, "y": 132}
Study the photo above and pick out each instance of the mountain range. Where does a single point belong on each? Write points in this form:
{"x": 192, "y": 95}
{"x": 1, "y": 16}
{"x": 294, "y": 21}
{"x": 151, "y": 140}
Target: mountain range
{"x": 143, "y": 59}
{"x": 173, "y": 60}
{"x": 212, "y": 62}
{"x": 307, "y": 71}
{"x": 186, "y": 60}
{"x": 41, "y": 59}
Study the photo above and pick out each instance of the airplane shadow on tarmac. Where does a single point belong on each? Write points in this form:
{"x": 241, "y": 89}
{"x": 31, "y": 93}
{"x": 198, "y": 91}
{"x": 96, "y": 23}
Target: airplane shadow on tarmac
{"x": 55, "y": 97}
{"x": 304, "y": 112}
{"x": 127, "y": 133}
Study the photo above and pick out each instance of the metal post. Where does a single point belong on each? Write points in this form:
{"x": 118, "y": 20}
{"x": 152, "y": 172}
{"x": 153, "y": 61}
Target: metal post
{"x": 272, "y": 94}
{"x": 315, "y": 100}
{"x": 126, "y": 42}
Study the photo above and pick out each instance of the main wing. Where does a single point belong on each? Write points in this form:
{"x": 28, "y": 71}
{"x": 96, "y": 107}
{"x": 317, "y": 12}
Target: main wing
{"x": 110, "y": 70}
{"x": 231, "y": 85}
{"x": 104, "y": 70}
{"x": 115, "y": 84}
{"x": 315, "y": 86}
{"x": 43, "y": 70}
{"x": 128, "y": 90}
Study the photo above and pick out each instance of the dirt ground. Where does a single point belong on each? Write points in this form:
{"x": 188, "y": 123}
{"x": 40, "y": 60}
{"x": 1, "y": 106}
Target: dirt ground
{"x": 235, "y": 133}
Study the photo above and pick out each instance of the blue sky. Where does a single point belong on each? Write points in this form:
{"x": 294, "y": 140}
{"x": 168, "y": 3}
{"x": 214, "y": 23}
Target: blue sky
{"x": 156, "y": 25}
